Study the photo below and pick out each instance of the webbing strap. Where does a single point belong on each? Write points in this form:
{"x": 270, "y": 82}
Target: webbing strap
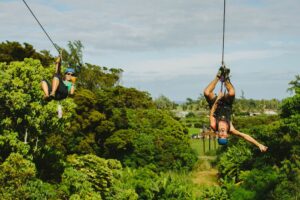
{"x": 223, "y": 32}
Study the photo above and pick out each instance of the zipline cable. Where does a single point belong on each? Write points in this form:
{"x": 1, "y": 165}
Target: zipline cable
{"x": 223, "y": 44}
{"x": 223, "y": 32}
{"x": 55, "y": 46}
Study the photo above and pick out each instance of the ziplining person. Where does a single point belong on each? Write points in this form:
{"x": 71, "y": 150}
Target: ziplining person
{"x": 221, "y": 105}
{"x": 62, "y": 86}
{"x": 221, "y": 110}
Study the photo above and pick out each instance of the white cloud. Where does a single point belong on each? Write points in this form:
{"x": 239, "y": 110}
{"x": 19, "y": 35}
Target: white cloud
{"x": 197, "y": 64}
{"x": 136, "y": 25}
{"x": 142, "y": 35}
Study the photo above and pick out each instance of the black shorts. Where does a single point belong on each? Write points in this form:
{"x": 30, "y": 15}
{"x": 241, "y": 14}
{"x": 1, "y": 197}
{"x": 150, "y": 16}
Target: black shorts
{"x": 62, "y": 90}
{"x": 224, "y": 107}
{"x": 226, "y": 100}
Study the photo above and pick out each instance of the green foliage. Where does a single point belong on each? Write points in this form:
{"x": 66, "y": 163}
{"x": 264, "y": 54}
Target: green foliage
{"x": 215, "y": 192}
{"x": 37, "y": 148}
{"x": 94, "y": 78}
{"x": 96, "y": 171}
{"x": 74, "y": 185}
{"x": 172, "y": 186}
{"x": 162, "y": 102}
{"x": 235, "y": 159}
{"x": 150, "y": 185}
{"x": 258, "y": 181}
{"x": 9, "y": 143}
{"x": 290, "y": 106}
{"x": 288, "y": 186}
{"x": 161, "y": 141}
{"x": 239, "y": 193}
{"x": 244, "y": 106}
{"x": 46, "y": 157}
{"x": 73, "y": 57}
{"x": 190, "y": 115}
{"x": 295, "y": 85}
{"x": 274, "y": 174}
{"x": 241, "y": 106}
{"x": 14, "y": 51}
{"x": 120, "y": 143}
{"x": 15, "y": 173}
{"x": 242, "y": 122}
{"x": 198, "y": 125}
{"x": 37, "y": 189}
{"x": 21, "y": 105}
{"x": 121, "y": 97}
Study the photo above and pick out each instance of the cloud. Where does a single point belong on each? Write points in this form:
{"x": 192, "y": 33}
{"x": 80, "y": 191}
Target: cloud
{"x": 195, "y": 64}
{"x": 165, "y": 40}
{"x": 136, "y": 25}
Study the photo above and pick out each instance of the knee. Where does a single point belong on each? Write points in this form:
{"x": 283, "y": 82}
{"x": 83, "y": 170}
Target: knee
{"x": 206, "y": 93}
{"x": 231, "y": 93}
{"x": 55, "y": 79}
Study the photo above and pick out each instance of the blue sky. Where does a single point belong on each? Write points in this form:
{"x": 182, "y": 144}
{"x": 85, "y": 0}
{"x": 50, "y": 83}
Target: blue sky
{"x": 171, "y": 47}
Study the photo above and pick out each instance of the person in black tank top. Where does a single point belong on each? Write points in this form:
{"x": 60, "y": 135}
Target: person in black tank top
{"x": 62, "y": 85}
{"x": 221, "y": 109}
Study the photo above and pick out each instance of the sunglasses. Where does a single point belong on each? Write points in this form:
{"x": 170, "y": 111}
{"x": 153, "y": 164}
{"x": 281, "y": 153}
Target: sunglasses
{"x": 70, "y": 74}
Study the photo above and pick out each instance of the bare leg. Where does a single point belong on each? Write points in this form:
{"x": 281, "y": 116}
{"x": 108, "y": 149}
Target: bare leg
{"x": 208, "y": 92}
{"x": 230, "y": 88}
{"x": 44, "y": 86}
{"x": 55, "y": 83}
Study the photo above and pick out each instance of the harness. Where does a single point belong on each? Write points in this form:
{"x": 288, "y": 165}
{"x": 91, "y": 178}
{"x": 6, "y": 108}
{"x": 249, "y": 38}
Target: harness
{"x": 223, "y": 113}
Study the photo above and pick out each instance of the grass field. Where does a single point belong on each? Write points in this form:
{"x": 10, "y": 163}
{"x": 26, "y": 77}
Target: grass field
{"x": 197, "y": 145}
{"x": 194, "y": 131}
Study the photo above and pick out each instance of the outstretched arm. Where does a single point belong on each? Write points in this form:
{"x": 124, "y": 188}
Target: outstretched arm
{"x": 58, "y": 65}
{"x": 248, "y": 138}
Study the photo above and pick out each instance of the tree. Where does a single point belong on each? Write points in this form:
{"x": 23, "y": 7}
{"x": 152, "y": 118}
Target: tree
{"x": 94, "y": 173}
{"x": 295, "y": 85}
{"x": 16, "y": 171}
{"x": 94, "y": 78}
{"x": 73, "y": 58}
{"x": 274, "y": 174}
{"x": 162, "y": 102}
{"x": 26, "y": 118}
{"x": 14, "y": 51}
{"x": 161, "y": 141}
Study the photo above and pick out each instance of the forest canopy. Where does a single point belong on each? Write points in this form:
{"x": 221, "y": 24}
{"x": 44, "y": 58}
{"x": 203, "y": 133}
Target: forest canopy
{"x": 114, "y": 142}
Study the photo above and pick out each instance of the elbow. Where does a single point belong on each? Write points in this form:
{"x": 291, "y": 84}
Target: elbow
{"x": 231, "y": 93}
{"x": 206, "y": 93}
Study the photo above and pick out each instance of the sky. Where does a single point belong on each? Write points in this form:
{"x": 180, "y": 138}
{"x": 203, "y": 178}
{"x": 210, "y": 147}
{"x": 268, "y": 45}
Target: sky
{"x": 171, "y": 47}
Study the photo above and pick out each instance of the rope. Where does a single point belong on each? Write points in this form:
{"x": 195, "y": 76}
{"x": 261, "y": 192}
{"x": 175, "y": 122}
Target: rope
{"x": 223, "y": 44}
{"x": 55, "y": 46}
{"x": 223, "y": 32}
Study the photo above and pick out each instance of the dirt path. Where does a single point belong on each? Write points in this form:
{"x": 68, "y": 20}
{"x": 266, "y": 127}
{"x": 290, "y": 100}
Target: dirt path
{"x": 206, "y": 177}
{"x": 205, "y": 174}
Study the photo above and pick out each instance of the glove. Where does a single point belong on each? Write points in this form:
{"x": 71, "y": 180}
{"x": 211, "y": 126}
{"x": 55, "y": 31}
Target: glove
{"x": 58, "y": 60}
{"x": 73, "y": 79}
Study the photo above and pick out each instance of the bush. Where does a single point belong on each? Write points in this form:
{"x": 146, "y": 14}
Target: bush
{"x": 190, "y": 115}
{"x": 198, "y": 125}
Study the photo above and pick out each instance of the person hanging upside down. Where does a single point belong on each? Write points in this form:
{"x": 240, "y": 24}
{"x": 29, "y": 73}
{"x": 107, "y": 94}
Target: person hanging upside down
{"x": 61, "y": 86}
{"x": 221, "y": 109}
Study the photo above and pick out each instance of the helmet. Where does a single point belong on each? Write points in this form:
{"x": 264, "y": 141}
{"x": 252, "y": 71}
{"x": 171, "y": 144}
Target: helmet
{"x": 70, "y": 70}
{"x": 222, "y": 141}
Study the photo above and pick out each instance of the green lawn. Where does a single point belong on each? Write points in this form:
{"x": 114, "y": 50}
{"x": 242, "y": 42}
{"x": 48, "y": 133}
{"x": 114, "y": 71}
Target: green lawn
{"x": 197, "y": 145}
{"x": 194, "y": 131}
